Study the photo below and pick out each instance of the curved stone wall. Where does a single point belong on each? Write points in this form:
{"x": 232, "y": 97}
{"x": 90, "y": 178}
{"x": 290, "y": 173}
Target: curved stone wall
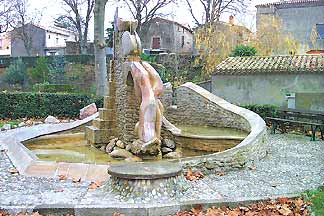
{"x": 197, "y": 106}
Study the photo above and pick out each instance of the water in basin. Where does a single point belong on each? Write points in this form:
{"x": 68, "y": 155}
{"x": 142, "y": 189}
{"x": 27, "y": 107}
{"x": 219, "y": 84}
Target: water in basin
{"x": 67, "y": 148}
{"x": 211, "y": 131}
{"x": 70, "y": 146}
{"x": 74, "y": 148}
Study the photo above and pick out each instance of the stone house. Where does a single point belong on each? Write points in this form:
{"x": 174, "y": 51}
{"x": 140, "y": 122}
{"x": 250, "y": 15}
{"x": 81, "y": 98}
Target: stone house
{"x": 167, "y": 35}
{"x": 44, "y": 41}
{"x": 56, "y": 40}
{"x": 269, "y": 80}
{"x": 298, "y": 18}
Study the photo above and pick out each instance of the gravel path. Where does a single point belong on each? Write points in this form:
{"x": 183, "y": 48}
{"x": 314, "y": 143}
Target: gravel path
{"x": 293, "y": 165}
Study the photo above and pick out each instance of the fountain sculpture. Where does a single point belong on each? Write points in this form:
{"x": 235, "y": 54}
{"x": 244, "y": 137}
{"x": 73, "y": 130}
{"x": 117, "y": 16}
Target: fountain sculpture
{"x": 132, "y": 109}
{"x": 148, "y": 87}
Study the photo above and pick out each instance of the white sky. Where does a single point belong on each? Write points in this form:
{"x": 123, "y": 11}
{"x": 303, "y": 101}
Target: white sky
{"x": 53, "y": 8}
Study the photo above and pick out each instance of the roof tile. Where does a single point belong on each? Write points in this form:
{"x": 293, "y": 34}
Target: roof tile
{"x": 271, "y": 64}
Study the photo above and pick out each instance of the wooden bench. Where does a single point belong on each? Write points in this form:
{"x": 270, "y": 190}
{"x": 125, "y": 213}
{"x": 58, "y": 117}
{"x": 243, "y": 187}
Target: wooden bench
{"x": 314, "y": 119}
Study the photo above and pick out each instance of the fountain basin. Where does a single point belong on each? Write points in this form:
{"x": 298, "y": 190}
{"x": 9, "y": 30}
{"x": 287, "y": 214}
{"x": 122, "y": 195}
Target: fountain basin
{"x": 208, "y": 144}
{"x": 195, "y": 106}
{"x": 209, "y": 139}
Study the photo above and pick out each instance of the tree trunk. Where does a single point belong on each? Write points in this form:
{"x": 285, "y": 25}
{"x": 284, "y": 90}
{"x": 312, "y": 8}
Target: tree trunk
{"x": 100, "y": 44}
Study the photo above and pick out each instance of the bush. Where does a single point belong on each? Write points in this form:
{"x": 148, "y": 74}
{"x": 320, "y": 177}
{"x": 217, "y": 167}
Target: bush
{"x": 39, "y": 73}
{"x": 56, "y": 70}
{"x": 26, "y": 104}
{"x": 16, "y": 73}
{"x": 147, "y": 57}
{"x": 263, "y": 110}
{"x": 243, "y": 50}
{"x": 53, "y": 88}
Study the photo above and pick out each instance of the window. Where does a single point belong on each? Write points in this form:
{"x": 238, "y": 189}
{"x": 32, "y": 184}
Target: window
{"x": 156, "y": 43}
{"x": 57, "y": 40}
{"x": 182, "y": 41}
{"x": 49, "y": 36}
{"x": 0, "y": 43}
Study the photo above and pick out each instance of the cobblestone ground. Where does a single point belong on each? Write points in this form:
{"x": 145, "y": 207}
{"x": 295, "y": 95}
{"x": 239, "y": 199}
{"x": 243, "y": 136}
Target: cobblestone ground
{"x": 294, "y": 164}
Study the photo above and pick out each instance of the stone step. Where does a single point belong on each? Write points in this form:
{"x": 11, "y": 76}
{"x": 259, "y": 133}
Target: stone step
{"x": 109, "y": 102}
{"x": 104, "y": 124}
{"x": 106, "y": 114}
{"x": 97, "y": 136}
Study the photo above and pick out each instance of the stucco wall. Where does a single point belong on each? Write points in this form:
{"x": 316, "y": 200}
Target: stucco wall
{"x": 299, "y": 21}
{"x": 170, "y": 36}
{"x": 158, "y": 29}
{"x": 187, "y": 47}
{"x": 38, "y": 42}
{"x": 264, "y": 89}
{"x": 310, "y": 101}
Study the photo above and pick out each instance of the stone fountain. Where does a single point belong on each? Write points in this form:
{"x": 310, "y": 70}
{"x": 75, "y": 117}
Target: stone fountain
{"x": 132, "y": 111}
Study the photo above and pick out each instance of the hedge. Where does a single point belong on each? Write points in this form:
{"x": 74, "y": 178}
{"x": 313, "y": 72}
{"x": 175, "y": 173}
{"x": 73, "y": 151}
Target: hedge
{"x": 27, "y": 104}
{"x": 30, "y": 61}
{"x": 263, "y": 110}
{"x": 53, "y": 88}
{"x": 30, "y": 104}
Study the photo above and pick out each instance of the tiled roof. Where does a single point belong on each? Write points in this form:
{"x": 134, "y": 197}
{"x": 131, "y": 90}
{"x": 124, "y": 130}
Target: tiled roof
{"x": 292, "y": 3}
{"x": 271, "y": 65}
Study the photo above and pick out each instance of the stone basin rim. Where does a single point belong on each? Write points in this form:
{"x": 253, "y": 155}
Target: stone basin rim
{"x": 145, "y": 170}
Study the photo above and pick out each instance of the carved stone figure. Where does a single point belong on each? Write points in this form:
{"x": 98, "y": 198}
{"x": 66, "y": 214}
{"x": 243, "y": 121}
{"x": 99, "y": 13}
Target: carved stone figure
{"x": 147, "y": 85}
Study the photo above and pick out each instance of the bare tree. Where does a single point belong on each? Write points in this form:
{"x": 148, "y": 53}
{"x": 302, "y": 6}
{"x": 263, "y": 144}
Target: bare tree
{"x": 214, "y": 8}
{"x": 6, "y": 8}
{"x": 100, "y": 44}
{"x": 22, "y": 22}
{"x": 80, "y": 19}
{"x": 145, "y": 10}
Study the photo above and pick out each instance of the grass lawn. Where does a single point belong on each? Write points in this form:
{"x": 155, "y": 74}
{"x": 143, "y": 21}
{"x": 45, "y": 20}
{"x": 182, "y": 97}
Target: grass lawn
{"x": 316, "y": 197}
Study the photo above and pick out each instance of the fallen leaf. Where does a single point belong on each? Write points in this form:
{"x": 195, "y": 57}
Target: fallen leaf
{"x": 220, "y": 173}
{"x": 59, "y": 190}
{"x": 252, "y": 167}
{"x": 94, "y": 185}
{"x": 285, "y": 211}
{"x": 62, "y": 177}
{"x": 76, "y": 179}
{"x": 118, "y": 214}
{"x": 281, "y": 206}
{"x": 196, "y": 210}
{"x": 190, "y": 175}
{"x": 282, "y": 200}
{"x": 21, "y": 214}
{"x": 13, "y": 170}
{"x": 234, "y": 213}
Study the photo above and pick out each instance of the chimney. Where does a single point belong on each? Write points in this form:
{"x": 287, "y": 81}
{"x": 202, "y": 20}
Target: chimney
{"x": 231, "y": 20}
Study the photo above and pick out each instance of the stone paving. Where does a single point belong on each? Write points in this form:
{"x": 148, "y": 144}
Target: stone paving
{"x": 293, "y": 165}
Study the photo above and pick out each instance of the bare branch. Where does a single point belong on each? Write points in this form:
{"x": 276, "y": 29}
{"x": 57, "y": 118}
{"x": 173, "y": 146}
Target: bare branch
{"x": 145, "y": 10}
{"x": 214, "y": 8}
{"x": 79, "y": 19}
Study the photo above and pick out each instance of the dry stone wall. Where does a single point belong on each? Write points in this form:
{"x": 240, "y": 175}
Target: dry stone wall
{"x": 127, "y": 105}
{"x": 197, "y": 106}
{"x": 194, "y": 109}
